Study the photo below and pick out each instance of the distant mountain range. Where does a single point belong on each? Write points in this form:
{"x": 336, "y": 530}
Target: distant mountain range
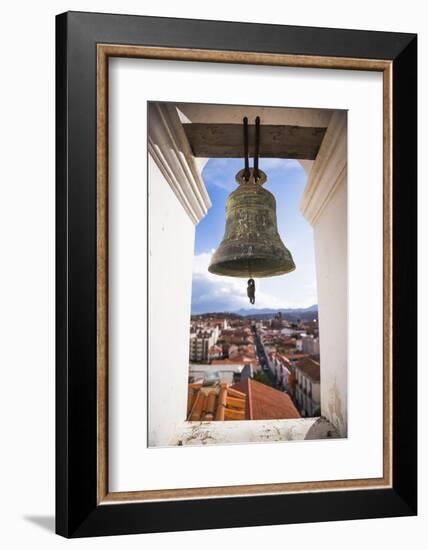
{"x": 262, "y": 311}
{"x": 290, "y": 314}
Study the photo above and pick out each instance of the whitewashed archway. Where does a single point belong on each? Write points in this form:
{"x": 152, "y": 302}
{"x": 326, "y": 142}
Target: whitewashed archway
{"x": 178, "y": 200}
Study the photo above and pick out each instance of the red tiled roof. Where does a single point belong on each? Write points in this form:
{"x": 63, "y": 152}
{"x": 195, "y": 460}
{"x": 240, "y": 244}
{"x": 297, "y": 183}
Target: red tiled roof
{"x": 283, "y": 358}
{"x": 309, "y": 368}
{"x": 266, "y": 403}
{"x": 215, "y": 403}
{"x": 213, "y": 349}
{"x": 295, "y": 356}
{"x": 238, "y": 361}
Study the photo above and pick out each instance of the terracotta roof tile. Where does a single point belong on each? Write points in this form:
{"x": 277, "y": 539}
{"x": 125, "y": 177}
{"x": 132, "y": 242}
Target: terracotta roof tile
{"x": 295, "y": 356}
{"x": 266, "y": 403}
{"x": 247, "y": 400}
{"x": 215, "y": 403}
{"x": 241, "y": 360}
{"x": 310, "y": 368}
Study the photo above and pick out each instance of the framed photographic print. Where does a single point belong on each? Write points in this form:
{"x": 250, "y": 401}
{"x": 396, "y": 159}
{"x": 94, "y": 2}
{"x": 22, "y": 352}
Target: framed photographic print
{"x": 236, "y": 274}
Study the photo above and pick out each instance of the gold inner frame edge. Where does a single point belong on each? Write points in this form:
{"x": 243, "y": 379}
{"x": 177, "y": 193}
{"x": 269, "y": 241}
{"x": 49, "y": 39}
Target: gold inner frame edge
{"x": 104, "y": 51}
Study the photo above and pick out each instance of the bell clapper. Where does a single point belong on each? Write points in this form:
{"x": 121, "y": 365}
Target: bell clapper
{"x": 251, "y": 285}
{"x": 251, "y": 290}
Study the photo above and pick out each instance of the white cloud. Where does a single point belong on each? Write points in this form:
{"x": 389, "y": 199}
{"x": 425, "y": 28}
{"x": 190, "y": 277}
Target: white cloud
{"x": 220, "y": 172}
{"x": 273, "y": 164}
{"x": 229, "y": 292}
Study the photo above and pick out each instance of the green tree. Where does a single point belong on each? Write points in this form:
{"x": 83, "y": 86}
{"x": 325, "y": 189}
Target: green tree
{"x": 260, "y": 376}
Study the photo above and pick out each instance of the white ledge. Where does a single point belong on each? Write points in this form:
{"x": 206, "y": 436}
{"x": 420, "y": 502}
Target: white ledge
{"x": 253, "y": 431}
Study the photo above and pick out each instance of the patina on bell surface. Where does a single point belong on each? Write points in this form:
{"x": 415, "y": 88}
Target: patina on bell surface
{"x": 251, "y": 246}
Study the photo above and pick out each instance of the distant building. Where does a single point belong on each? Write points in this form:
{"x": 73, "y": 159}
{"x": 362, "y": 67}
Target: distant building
{"x": 200, "y": 342}
{"x": 295, "y": 357}
{"x": 276, "y": 323}
{"x": 215, "y": 352}
{"x": 310, "y": 345}
{"x": 241, "y": 360}
{"x": 307, "y": 391}
{"x": 245, "y": 352}
{"x": 233, "y": 351}
{"x": 223, "y": 372}
{"x": 289, "y": 331}
{"x": 282, "y": 371}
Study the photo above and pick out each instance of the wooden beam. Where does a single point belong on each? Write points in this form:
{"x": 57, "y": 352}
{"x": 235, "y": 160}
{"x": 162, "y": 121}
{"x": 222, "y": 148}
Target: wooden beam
{"x": 226, "y": 141}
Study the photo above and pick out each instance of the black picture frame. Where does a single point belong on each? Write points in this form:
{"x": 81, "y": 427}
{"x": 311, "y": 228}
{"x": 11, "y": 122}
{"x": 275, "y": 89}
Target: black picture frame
{"x": 77, "y": 511}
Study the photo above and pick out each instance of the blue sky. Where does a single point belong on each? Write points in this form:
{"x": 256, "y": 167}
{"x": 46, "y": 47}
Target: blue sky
{"x": 286, "y": 180}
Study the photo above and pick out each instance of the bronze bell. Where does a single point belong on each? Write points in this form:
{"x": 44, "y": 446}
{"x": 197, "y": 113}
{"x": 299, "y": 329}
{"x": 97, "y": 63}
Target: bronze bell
{"x": 251, "y": 246}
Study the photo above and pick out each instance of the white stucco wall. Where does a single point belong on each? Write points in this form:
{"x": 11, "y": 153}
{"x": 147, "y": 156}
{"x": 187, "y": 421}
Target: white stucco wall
{"x": 324, "y": 205}
{"x": 171, "y": 242}
{"x": 330, "y": 236}
{"x": 316, "y": 393}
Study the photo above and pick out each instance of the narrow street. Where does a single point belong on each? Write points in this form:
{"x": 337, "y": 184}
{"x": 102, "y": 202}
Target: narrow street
{"x": 261, "y": 356}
